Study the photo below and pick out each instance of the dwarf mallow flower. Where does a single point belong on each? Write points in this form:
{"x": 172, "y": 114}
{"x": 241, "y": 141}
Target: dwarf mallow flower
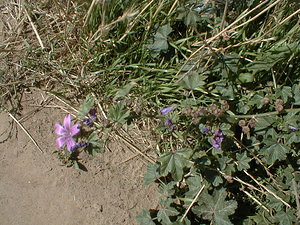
{"x": 79, "y": 145}
{"x": 205, "y": 130}
{"x": 169, "y": 125}
{"x": 217, "y": 139}
{"x": 92, "y": 117}
{"x": 293, "y": 128}
{"x": 67, "y": 131}
{"x": 165, "y": 111}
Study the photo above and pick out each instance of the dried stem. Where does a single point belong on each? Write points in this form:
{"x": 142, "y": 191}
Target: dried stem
{"x": 24, "y": 129}
{"x": 267, "y": 189}
{"x": 192, "y": 203}
{"x": 254, "y": 199}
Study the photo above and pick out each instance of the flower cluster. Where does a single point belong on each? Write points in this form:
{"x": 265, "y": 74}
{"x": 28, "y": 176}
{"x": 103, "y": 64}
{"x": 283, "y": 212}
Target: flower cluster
{"x": 168, "y": 121}
{"x": 217, "y": 139}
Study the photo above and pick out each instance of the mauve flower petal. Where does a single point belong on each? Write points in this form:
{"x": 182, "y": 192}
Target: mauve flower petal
{"x": 70, "y": 143}
{"x": 67, "y": 122}
{"x": 74, "y": 130}
{"x": 59, "y": 129}
{"x": 168, "y": 122}
{"x": 166, "y": 110}
{"x": 61, "y": 141}
{"x": 217, "y": 146}
{"x": 218, "y": 133}
{"x": 293, "y": 128}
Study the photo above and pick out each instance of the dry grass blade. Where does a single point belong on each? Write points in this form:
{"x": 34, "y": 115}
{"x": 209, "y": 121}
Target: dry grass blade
{"x": 267, "y": 189}
{"x": 296, "y": 197}
{"x": 26, "y": 132}
{"x": 124, "y": 139}
{"x": 240, "y": 181}
{"x": 135, "y": 20}
{"x": 34, "y": 29}
{"x": 89, "y": 11}
{"x": 229, "y": 27}
{"x": 255, "y": 200}
{"x": 192, "y": 203}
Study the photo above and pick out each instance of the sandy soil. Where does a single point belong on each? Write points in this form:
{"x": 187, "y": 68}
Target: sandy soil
{"x": 35, "y": 189}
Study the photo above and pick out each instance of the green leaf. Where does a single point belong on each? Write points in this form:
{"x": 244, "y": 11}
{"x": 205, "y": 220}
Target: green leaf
{"x": 144, "y": 218}
{"x": 242, "y": 161}
{"x": 292, "y": 138}
{"x": 213, "y": 177}
{"x": 274, "y": 203}
{"x": 246, "y": 77}
{"x": 152, "y": 173}
{"x": 226, "y": 129}
{"x": 166, "y": 190}
{"x": 274, "y": 151}
{"x": 160, "y": 42}
{"x": 223, "y": 161}
{"x": 94, "y": 140}
{"x": 215, "y": 208}
{"x": 296, "y": 93}
{"x": 96, "y": 145}
{"x": 165, "y": 211}
{"x": 185, "y": 221}
{"x": 264, "y": 122}
{"x": 124, "y": 90}
{"x": 86, "y": 106}
{"x": 286, "y": 218}
{"x": 194, "y": 183}
{"x": 256, "y": 100}
{"x": 286, "y": 92}
{"x": 189, "y": 16}
{"x": 174, "y": 162}
{"x": 231, "y": 62}
{"x": 118, "y": 114}
{"x": 193, "y": 80}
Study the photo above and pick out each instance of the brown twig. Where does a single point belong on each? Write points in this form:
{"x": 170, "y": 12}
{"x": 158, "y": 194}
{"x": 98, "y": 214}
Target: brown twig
{"x": 192, "y": 203}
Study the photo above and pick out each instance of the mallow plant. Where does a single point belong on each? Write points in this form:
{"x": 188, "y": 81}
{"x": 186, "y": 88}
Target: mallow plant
{"x": 78, "y": 137}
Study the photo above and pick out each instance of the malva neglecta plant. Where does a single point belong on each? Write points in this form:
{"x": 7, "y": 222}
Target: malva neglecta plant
{"x": 221, "y": 81}
{"x": 78, "y": 136}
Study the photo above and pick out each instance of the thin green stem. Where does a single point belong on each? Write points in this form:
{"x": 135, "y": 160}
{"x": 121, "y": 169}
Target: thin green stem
{"x": 265, "y": 114}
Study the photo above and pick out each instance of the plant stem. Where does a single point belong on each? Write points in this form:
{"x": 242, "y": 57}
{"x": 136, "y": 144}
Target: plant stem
{"x": 265, "y": 114}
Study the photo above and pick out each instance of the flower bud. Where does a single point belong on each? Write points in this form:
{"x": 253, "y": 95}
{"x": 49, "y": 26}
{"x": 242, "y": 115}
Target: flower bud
{"x": 246, "y": 129}
{"x": 242, "y": 123}
{"x": 252, "y": 122}
{"x": 265, "y": 101}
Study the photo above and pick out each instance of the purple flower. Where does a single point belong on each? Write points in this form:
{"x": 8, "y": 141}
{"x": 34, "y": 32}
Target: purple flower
{"x": 205, "y": 130}
{"x": 165, "y": 111}
{"x": 79, "y": 145}
{"x": 217, "y": 139}
{"x": 90, "y": 121}
{"x": 67, "y": 131}
{"x": 293, "y": 128}
{"x": 93, "y": 114}
{"x": 168, "y": 122}
{"x": 169, "y": 125}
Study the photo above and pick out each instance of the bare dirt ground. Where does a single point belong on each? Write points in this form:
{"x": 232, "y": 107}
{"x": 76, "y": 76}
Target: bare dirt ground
{"x": 36, "y": 189}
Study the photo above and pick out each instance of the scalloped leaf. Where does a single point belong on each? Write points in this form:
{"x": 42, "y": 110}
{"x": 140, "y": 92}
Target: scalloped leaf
{"x": 165, "y": 211}
{"x": 215, "y": 208}
{"x": 242, "y": 161}
{"x": 144, "y": 218}
{"x": 85, "y": 107}
{"x": 174, "y": 162}
{"x": 274, "y": 151}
